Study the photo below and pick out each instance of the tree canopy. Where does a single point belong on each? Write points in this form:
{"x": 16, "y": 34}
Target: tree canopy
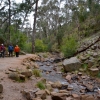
{"x": 53, "y": 21}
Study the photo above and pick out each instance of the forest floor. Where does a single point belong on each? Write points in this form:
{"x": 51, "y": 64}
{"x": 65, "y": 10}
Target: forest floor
{"x": 11, "y": 89}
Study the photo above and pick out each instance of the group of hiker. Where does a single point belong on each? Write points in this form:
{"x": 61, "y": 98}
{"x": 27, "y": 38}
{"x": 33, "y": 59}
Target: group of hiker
{"x": 11, "y": 49}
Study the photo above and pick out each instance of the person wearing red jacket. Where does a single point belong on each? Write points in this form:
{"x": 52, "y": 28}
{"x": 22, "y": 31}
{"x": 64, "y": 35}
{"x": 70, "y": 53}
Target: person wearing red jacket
{"x": 17, "y": 50}
{"x": 2, "y": 50}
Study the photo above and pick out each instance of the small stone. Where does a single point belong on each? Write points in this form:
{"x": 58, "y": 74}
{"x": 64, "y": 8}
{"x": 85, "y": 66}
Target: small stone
{"x": 47, "y": 91}
{"x": 12, "y": 70}
{"x": 70, "y": 88}
{"x": 79, "y": 73}
{"x": 22, "y": 77}
{"x": 68, "y": 77}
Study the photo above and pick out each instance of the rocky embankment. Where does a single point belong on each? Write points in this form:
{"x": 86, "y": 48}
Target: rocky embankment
{"x": 90, "y": 58}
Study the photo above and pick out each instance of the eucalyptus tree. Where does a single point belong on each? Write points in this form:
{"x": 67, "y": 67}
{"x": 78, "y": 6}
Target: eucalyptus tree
{"x": 6, "y": 17}
{"x": 9, "y": 1}
{"x": 34, "y": 26}
{"x": 49, "y": 19}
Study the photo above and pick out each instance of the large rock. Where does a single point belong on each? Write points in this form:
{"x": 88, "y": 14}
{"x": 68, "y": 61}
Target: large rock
{"x": 71, "y": 64}
{"x": 94, "y": 71}
{"x": 87, "y": 97}
{"x": 41, "y": 94}
{"x": 56, "y": 84}
{"x": 27, "y": 73}
{"x": 13, "y": 76}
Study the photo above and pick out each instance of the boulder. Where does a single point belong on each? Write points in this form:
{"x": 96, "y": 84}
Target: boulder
{"x": 87, "y": 97}
{"x": 94, "y": 71}
{"x": 49, "y": 87}
{"x": 90, "y": 98}
{"x": 56, "y": 84}
{"x": 71, "y": 64}
{"x": 41, "y": 94}
{"x": 48, "y": 98}
{"x": 59, "y": 94}
{"x": 76, "y": 96}
{"x": 90, "y": 63}
{"x": 27, "y": 73}
{"x": 47, "y": 92}
{"x": 13, "y": 76}
{"x": 12, "y": 70}
{"x": 28, "y": 94}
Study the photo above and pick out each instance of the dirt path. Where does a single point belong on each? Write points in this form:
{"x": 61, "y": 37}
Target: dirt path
{"x": 12, "y": 89}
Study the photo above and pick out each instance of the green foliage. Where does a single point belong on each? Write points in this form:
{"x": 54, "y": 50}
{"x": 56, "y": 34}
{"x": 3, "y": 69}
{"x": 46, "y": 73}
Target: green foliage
{"x": 17, "y": 37}
{"x": 20, "y": 80}
{"x": 49, "y": 46}
{"x": 55, "y": 47}
{"x": 69, "y": 46}
{"x": 82, "y": 16}
{"x": 62, "y": 70}
{"x": 98, "y": 75}
{"x": 37, "y": 73}
{"x": 41, "y": 85}
{"x": 85, "y": 66}
{"x": 60, "y": 35}
{"x": 40, "y": 46}
{"x": 27, "y": 47}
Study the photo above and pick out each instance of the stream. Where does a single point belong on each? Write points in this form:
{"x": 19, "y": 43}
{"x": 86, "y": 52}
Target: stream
{"x": 50, "y": 73}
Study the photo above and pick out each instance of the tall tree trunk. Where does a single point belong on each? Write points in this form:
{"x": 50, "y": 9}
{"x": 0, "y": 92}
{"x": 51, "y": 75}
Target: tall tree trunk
{"x": 34, "y": 28}
{"x": 9, "y": 20}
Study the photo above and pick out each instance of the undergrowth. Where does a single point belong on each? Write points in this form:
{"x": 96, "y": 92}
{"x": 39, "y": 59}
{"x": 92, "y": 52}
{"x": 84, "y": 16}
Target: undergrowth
{"x": 41, "y": 85}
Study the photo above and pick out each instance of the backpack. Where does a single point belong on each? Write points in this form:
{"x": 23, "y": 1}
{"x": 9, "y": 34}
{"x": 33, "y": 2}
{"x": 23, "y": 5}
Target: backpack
{"x": 10, "y": 48}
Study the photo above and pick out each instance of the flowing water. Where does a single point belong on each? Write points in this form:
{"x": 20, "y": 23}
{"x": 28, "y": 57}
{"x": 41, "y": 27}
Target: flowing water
{"x": 50, "y": 74}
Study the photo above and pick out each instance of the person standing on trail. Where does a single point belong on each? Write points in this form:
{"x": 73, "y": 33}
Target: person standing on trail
{"x": 2, "y": 50}
{"x": 10, "y": 50}
{"x": 17, "y": 50}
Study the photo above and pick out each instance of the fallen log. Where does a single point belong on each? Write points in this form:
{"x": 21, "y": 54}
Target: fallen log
{"x": 87, "y": 47}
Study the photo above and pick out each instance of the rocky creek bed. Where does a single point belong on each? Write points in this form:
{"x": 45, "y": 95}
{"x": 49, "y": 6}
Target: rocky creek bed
{"x": 74, "y": 85}
{"x": 77, "y": 84}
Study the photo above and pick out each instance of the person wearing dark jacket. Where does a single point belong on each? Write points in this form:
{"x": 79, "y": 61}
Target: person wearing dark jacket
{"x": 10, "y": 50}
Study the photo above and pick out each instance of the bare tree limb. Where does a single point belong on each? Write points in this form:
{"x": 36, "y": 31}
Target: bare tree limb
{"x": 87, "y": 47}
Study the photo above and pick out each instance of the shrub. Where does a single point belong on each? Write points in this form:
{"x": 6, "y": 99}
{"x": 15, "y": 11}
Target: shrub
{"x": 37, "y": 73}
{"x": 98, "y": 75}
{"x": 20, "y": 80}
{"x": 85, "y": 66}
{"x": 27, "y": 47}
{"x": 40, "y": 46}
{"x": 62, "y": 70}
{"x": 41, "y": 85}
{"x": 54, "y": 47}
{"x": 69, "y": 46}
